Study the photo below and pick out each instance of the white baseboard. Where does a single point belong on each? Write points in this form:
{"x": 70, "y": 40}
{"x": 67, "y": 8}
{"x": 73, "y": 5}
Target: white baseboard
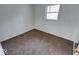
{"x": 13, "y": 35}
{"x": 54, "y": 34}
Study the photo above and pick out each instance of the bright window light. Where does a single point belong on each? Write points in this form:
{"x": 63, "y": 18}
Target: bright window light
{"x": 53, "y": 16}
{"x": 52, "y": 12}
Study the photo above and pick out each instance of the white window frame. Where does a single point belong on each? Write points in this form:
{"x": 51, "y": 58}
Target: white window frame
{"x": 52, "y": 12}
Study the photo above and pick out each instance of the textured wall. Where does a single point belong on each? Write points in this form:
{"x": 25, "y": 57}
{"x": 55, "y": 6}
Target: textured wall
{"x": 65, "y": 27}
{"x": 15, "y": 20}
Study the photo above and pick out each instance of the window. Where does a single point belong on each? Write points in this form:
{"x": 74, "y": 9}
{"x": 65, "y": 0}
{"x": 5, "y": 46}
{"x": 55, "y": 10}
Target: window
{"x": 52, "y": 12}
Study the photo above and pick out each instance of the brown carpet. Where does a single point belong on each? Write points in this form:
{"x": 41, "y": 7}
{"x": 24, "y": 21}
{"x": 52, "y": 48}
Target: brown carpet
{"x": 36, "y": 42}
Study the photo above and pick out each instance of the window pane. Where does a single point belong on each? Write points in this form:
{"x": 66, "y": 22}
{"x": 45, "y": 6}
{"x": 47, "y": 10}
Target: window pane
{"x": 52, "y": 16}
{"x": 48, "y": 8}
{"x": 53, "y": 8}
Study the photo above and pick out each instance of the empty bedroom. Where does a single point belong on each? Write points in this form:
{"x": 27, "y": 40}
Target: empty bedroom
{"x": 39, "y": 29}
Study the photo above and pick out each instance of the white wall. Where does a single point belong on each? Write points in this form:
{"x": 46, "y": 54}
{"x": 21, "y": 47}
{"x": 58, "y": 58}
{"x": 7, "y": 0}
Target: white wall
{"x": 15, "y": 20}
{"x": 1, "y": 50}
{"x": 65, "y": 26}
